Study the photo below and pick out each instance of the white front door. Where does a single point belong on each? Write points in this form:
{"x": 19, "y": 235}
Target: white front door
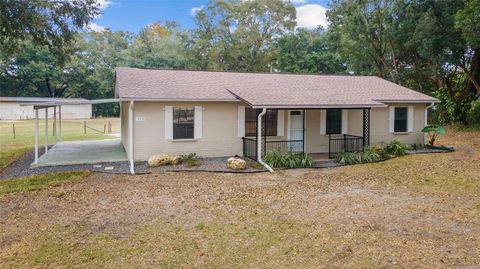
{"x": 296, "y": 129}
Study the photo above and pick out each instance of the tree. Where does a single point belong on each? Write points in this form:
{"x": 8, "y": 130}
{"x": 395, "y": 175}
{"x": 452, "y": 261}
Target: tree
{"x": 158, "y": 46}
{"x": 50, "y": 23}
{"x": 239, "y": 35}
{"x": 307, "y": 51}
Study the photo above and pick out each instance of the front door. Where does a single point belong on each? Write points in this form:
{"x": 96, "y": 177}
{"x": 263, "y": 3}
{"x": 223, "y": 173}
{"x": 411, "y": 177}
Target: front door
{"x": 296, "y": 130}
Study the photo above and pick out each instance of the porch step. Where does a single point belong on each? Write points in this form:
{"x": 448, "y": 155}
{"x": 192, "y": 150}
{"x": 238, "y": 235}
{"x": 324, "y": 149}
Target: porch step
{"x": 324, "y": 163}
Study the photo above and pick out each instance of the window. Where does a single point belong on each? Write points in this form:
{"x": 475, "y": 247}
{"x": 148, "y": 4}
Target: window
{"x": 400, "y": 124}
{"x": 183, "y": 122}
{"x": 334, "y": 121}
{"x": 269, "y": 122}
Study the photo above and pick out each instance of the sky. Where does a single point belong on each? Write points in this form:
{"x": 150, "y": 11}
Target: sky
{"x": 133, "y": 15}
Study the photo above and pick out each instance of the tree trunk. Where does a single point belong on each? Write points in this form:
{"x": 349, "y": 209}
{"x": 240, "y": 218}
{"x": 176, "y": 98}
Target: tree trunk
{"x": 474, "y": 73}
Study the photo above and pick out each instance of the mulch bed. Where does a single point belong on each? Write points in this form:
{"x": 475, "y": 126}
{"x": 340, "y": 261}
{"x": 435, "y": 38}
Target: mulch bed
{"x": 21, "y": 167}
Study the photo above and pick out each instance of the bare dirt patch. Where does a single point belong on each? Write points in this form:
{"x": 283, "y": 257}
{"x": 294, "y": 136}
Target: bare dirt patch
{"x": 413, "y": 211}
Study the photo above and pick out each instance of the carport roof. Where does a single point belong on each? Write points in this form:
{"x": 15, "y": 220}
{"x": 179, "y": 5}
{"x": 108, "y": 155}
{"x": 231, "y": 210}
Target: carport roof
{"x": 68, "y": 101}
{"x": 270, "y": 90}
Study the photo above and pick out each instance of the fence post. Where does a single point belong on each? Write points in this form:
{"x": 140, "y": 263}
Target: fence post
{"x": 109, "y": 127}
{"x": 84, "y": 127}
{"x": 13, "y": 130}
{"x": 104, "y": 128}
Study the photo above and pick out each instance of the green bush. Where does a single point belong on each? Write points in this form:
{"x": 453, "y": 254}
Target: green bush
{"x": 190, "y": 159}
{"x": 473, "y": 115}
{"x": 278, "y": 159}
{"x": 395, "y": 148}
{"x": 368, "y": 155}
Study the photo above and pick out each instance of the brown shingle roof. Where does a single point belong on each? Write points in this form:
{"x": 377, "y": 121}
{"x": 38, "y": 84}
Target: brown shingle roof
{"x": 262, "y": 89}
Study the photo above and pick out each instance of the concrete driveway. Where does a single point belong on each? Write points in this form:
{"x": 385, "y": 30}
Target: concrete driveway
{"x": 83, "y": 152}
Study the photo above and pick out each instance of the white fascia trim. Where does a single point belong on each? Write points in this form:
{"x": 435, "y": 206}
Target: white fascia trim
{"x": 316, "y": 106}
{"x": 408, "y": 101}
{"x": 179, "y": 100}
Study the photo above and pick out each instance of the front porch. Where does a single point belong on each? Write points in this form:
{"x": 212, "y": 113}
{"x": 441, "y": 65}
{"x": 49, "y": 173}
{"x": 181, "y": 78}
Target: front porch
{"x": 321, "y": 135}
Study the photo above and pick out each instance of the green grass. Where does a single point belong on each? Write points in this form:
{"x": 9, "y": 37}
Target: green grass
{"x": 71, "y": 130}
{"x": 9, "y": 155}
{"x": 39, "y": 182}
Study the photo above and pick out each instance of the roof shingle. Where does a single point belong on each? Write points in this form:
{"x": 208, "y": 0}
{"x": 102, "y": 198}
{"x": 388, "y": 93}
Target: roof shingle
{"x": 262, "y": 89}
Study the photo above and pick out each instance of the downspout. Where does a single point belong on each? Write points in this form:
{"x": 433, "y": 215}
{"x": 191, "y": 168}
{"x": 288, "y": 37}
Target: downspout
{"x": 130, "y": 138}
{"x": 426, "y": 121}
{"x": 259, "y": 140}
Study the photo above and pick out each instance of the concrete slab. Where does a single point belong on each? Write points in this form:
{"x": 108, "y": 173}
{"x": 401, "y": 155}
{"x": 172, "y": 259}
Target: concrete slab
{"x": 83, "y": 152}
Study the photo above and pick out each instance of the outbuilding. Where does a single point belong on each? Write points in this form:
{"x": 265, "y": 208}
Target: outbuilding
{"x": 17, "y": 108}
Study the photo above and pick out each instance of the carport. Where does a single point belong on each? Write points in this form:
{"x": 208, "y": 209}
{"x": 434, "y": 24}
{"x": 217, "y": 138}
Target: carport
{"x": 73, "y": 152}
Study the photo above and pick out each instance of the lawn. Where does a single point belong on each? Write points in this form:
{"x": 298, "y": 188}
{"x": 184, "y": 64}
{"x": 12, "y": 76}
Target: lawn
{"x": 11, "y": 148}
{"x": 413, "y": 211}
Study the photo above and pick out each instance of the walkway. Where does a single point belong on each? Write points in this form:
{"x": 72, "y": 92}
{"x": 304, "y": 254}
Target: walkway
{"x": 83, "y": 152}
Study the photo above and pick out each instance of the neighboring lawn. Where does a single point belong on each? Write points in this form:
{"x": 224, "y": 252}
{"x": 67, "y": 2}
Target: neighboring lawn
{"x": 11, "y": 148}
{"x": 413, "y": 211}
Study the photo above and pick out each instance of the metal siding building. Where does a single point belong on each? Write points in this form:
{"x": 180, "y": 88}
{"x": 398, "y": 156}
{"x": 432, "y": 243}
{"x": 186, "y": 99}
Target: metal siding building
{"x": 11, "y": 108}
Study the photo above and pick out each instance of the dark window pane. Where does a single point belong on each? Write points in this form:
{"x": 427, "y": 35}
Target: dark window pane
{"x": 400, "y": 119}
{"x": 269, "y": 122}
{"x": 183, "y": 122}
{"x": 334, "y": 121}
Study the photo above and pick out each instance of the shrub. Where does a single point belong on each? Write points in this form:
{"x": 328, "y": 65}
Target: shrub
{"x": 433, "y": 130}
{"x": 473, "y": 115}
{"x": 395, "y": 148}
{"x": 190, "y": 159}
{"x": 368, "y": 155}
{"x": 277, "y": 159}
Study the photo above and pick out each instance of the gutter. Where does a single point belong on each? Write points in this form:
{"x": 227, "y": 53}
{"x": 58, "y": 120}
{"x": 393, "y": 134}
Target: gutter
{"x": 259, "y": 141}
{"x": 426, "y": 120}
{"x": 130, "y": 137}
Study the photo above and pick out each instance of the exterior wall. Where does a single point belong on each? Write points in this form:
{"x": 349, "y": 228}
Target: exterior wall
{"x": 219, "y": 135}
{"x": 14, "y": 111}
{"x": 379, "y": 127}
{"x": 379, "y": 131}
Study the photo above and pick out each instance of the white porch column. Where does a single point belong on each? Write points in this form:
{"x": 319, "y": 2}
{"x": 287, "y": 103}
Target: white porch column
{"x": 36, "y": 135}
{"x": 54, "y": 125}
{"x": 60, "y": 122}
{"x": 130, "y": 138}
{"x": 46, "y": 130}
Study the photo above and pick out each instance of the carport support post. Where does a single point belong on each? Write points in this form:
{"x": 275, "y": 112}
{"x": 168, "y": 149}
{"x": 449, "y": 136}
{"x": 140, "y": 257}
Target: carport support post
{"x": 60, "y": 123}
{"x": 130, "y": 137}
{"x": 36, "y": 135}
{"x": 54, "y": 125}
{"x": 46, "y": 130}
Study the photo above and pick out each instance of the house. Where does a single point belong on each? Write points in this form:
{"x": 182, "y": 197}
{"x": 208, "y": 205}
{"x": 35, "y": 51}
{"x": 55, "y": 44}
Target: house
{"x": 17, "y": 108}
{"x": 232, "y": 113}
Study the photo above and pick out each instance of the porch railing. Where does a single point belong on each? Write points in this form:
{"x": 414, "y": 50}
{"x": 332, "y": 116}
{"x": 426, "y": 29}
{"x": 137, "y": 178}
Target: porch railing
{"x": 344, "y": 143}
{"x": 250, "y": 146}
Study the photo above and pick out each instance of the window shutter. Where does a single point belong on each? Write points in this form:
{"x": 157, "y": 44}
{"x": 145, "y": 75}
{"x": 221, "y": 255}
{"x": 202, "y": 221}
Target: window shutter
{"x": 344, "y": 121}
{"x": 392, "y": 119}
{"x": 168, "y": 122}
{"x": 241, "y": 121}
{"x": 323, "y": 121}
{"x": 410, "y": 119}
{"x": 280, "y": 122}
{"x": 197, "y": 128}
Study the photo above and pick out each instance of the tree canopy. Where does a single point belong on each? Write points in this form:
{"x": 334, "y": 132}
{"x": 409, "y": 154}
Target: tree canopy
{"x": 430, "y": 46}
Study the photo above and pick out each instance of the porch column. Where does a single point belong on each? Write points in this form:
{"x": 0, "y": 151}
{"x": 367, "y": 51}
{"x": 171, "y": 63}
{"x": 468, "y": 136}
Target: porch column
{"x": 60, "y": 122}
{"x": 303, "y": 134}
{"x": 366, "y": 127}
{"x": 54, "y": 125}
{"x": 36, "y": 135}
{"x": 46, "y": 130}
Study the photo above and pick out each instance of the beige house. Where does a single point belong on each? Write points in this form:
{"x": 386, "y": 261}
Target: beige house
{"x": 231, "y": 113}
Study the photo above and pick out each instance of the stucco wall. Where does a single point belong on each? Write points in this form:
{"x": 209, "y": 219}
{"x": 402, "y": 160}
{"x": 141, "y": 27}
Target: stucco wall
{"x": 220, "y": 134}
{"x": 14, "y": 111}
